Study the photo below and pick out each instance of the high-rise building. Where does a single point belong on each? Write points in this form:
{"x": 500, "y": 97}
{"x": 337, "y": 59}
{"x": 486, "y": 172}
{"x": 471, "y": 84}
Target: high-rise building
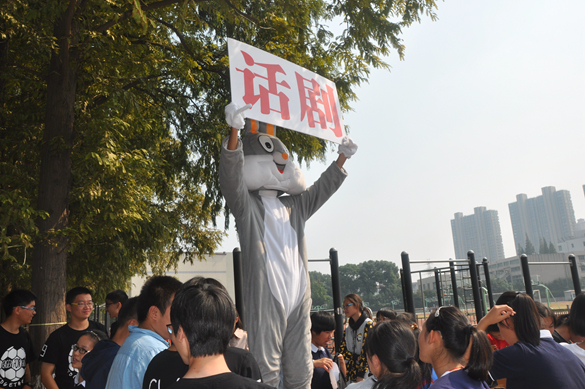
{"x": 479, "y": 232}
{"x": 549, "y": 217}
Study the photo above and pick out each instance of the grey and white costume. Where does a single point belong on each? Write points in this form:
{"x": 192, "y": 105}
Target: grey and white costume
{"x": 277, "y": 290}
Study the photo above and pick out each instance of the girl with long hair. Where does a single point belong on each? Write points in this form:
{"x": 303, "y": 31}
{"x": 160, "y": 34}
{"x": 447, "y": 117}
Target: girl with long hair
{"x": 460, "y": 354}
{"x": 533, "y": 359}
{"x": 355, "y": 337}
{"x": 391, "y": 352}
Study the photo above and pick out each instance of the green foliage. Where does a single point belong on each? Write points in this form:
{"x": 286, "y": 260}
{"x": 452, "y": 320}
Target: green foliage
{"x": 377, "y": 283}
{"x": 529, "y": 247}
{"x": 151, "y": 84}
{"x": 321, "y": 290}
{"x": 500, "y": 285}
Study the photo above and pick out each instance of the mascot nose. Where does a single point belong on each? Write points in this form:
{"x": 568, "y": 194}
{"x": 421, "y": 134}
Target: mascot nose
{"x": 284, "y": 156}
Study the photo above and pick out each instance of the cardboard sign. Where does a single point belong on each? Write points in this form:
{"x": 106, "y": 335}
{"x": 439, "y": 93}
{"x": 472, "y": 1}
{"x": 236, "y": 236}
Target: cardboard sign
{"x": 284, "y": 94}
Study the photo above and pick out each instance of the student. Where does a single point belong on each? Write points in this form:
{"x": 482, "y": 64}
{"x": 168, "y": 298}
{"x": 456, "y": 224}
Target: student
{"x": 97, "y": 364}
{"x": 149, "y": 338}
{"x": 444, "y": 342}
{"x": 577, "y": 324}
{"x": 84, "y": 345}
{"x": 391, "y": 349}
{"x": 56, "y": 353}
{"x": 167, "y": 367}
{"x": 16, "y": 349}
{"x": 530, "y": 361}
{"x": 355, "y": 337}
{"x": 385, "y": 314}
{"x": 203, "y": 320}
{"x": 114, "y": 301}
{"x": 547, "y": 317}
{"x": 322, "y": 329}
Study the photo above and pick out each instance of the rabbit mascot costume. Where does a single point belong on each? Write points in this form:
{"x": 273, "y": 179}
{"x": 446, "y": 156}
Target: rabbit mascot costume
{"x": 254, "y": 173}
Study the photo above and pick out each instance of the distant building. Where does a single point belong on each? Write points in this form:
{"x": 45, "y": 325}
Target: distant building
{"x": 479, "y": 232}
{"x": 549, "y": 217}
{"x": 219, "y": 266}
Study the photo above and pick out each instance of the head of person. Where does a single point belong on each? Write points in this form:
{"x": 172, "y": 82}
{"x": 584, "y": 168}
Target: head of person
{"x": 448, "y": 336}
{"x": 547, "y": 317}
{"x": 524, "y": 325}
{"x": 114, "y": 301}
{"x": 84, "y": 345}
{"x": 353, "y": 306}
{"x": 504, "y": 299}
{"x": 154, "y": 303}
{"x": 202, "y": 317}
{"x": 577, "y": 318}
{"x": 385, "y": 314}
{"x": 410, "y": 320}
{"x": 322, "y": 328}
{"x": 21, "y": 303}
{"x": 391, "y": 349}
{"x": 78, "y": 303}
{"x": 127, "y": 314}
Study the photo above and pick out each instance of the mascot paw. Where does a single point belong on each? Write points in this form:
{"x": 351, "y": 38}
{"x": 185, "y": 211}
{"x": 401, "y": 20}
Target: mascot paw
{"x": 347, "y": 147}
{"x": 234, "y": 115}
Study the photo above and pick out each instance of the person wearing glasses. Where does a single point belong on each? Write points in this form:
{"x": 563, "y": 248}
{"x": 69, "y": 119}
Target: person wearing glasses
{"x": 56, "y": 353}
{"x": 84, "y": 345}
{"x": 16, "y": 349}
{"x": 149, "y": 338}
{"x": 355, "y": 337}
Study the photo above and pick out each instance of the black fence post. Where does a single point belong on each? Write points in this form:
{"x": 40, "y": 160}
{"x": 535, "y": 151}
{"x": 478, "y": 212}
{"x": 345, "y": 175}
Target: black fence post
{"x": 575, "y": 274}
{"x": 475, "y": 285}
{"x": 526, "y": 274}
{"x": 438, "y": 283}
{"x": 404, "y": 304}
{"x": 337, "y": 302}
{"x": 488, "y": 282}
{"x": 409, "y": 295}
{"x": 239, "y": 284}
{"x": 454, "y": 284}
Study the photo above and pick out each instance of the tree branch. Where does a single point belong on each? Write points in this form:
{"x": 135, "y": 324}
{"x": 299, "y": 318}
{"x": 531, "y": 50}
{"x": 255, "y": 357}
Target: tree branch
{"x": 246, "y": 16}
{"x": 127, "y": 14}
{"x": 103, "y": 99}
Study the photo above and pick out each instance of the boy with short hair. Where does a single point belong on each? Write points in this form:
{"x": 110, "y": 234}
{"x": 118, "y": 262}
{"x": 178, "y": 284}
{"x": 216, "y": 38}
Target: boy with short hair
{"x": 57, "y": 352}
{"x": 203, "y": 318}
{"x": 322, "y": 329}
{"x": 147, "y": 339}
{"x": 16, "y": 350}
{"x": 114, "y": 301}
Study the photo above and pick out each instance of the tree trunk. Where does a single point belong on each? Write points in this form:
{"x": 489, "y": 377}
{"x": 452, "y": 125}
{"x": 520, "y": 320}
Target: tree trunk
{"x": 49, "y": 263}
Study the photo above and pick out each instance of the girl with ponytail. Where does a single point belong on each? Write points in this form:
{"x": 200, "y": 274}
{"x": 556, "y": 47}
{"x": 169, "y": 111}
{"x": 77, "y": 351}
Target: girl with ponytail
{"x": 391, "y": 352}
{"x": 460, "y": 354}
{"x": 533, "y": 359}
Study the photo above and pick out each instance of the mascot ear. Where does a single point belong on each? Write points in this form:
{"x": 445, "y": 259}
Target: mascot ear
{"x": 254, "y": 126}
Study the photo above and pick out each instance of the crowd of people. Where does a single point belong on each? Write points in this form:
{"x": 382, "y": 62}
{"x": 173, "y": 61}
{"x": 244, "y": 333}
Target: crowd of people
{"x": 179, "y": 336}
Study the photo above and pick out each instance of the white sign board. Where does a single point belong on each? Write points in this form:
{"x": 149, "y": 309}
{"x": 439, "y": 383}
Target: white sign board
{"x": 284, "y": 94}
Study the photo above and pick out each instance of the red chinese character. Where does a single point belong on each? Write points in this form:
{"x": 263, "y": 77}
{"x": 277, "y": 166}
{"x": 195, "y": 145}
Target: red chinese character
{"x": 313, "y": 96}
{"x": 264, "y": 93}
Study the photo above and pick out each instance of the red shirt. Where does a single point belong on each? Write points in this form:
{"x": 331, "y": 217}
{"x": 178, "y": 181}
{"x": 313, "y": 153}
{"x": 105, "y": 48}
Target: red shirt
{"x": 497, "y": 344}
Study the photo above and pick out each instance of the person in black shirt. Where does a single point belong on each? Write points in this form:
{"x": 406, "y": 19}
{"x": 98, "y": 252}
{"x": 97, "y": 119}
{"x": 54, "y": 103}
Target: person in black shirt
{"x": 203, "y": 318}
{"x": 56, "y": 354}
{"x": 16, "y": 350}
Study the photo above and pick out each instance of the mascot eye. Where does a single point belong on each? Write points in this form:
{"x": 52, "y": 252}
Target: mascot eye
{"x": 266, "y": 143}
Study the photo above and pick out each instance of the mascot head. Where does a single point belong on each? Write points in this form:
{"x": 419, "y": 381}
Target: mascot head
{"x": 268, "y": 163}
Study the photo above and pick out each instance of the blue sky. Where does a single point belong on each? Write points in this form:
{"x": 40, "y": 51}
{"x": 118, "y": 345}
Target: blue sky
{"x": 488, "y": 103}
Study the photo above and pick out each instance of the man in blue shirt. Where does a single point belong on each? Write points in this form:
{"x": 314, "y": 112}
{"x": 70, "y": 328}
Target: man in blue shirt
{"x": 148, "y": 338}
